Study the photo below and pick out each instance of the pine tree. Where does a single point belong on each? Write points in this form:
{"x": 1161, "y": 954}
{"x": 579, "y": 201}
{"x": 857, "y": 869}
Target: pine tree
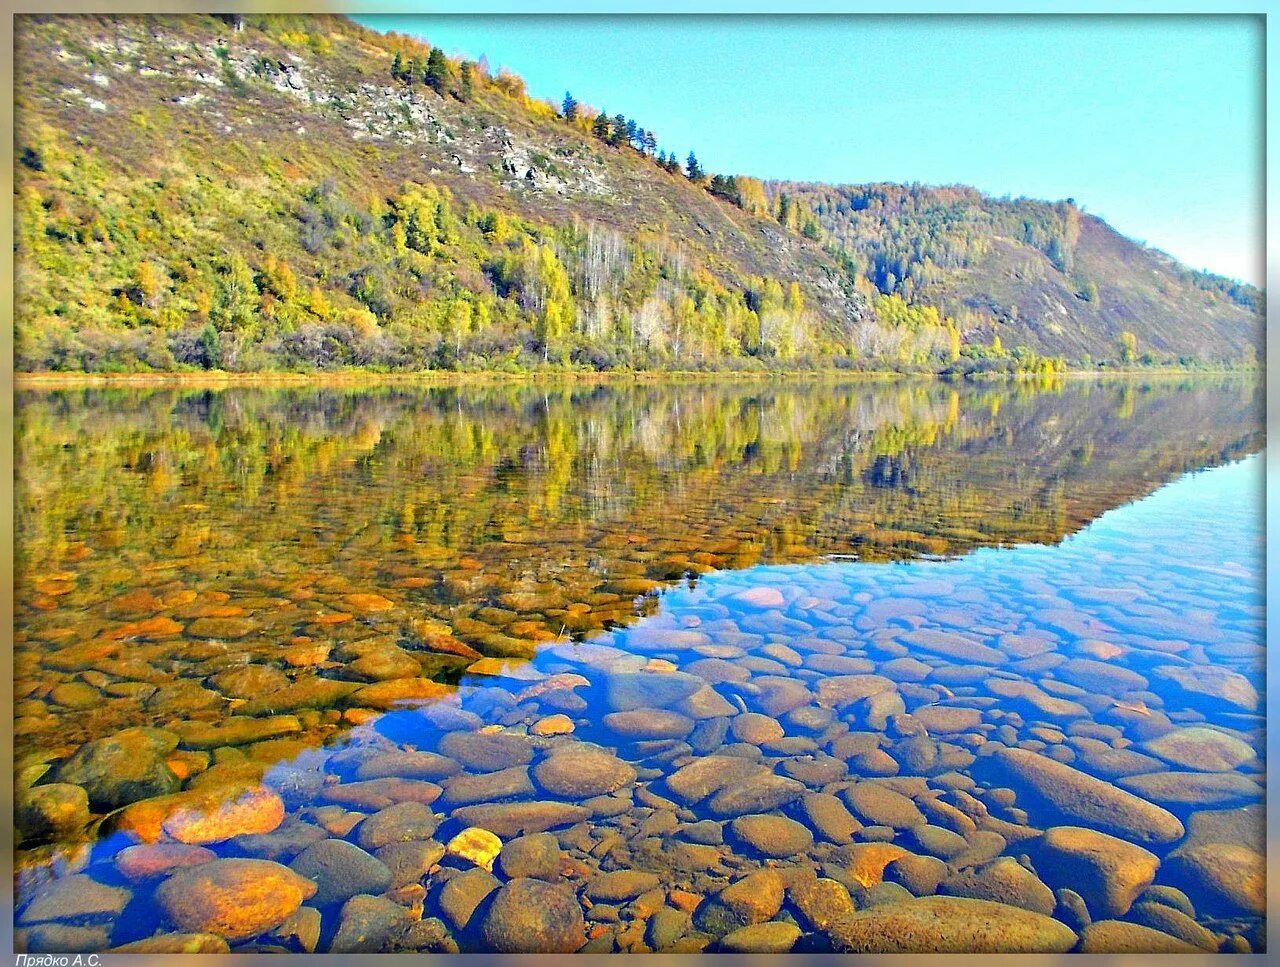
{"x": 436, "y": 76}
{"x": 633, "y": 134}
{"x": 468, "y": 82}
{"x": 397, "y": 67}
{"x": 618, "y": 136}
{"x": 650, "y": 142}
{"x": 662, "y": 159}
{"x": 600, "y": 127}
{"x": 692, "y": 168}
{"x": 569, "y": 107}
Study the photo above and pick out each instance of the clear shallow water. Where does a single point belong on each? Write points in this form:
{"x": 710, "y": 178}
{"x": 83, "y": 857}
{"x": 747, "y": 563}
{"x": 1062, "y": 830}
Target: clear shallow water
{"x": 241, "y": 569}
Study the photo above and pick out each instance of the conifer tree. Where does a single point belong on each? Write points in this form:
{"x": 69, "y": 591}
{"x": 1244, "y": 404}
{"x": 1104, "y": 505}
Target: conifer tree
{"x": 397, "y": 67}
{"x": 436, "y": 76}
{"x": 569, "y": 107}
{"x": 600, "y": 127}
{"x": 618, "y": 136}
{"x": 692, "y": 169}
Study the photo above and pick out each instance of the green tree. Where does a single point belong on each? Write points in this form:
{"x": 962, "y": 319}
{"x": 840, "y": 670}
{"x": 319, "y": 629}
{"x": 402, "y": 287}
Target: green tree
{"x": 437, "y": 75}
{"x": 397, "y": 67}
{"x": 468, "y": 80}
{"x": 693, "y": 170}
{"x": 569, "y": 107}
{"x": 600, "y": 126}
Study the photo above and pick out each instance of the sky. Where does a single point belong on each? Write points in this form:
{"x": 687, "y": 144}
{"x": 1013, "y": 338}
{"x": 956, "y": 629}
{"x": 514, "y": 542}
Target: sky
{"x": 1153, "y": 123}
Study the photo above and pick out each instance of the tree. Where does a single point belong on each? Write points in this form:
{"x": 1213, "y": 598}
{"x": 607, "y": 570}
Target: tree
{"x": 618, "y": 136}
{"x": 468, "y": 82}
{"x": 692, "y": 169}
{"x": 1128, "y": 347}
{"x": 569, "y": 107}
{"x": 437, "y": 73}
{"x": 650, "y": 142}
{"x": 633, "y": 134}
{"x": 397, "y": 67}
{"x": 600, "y": 126}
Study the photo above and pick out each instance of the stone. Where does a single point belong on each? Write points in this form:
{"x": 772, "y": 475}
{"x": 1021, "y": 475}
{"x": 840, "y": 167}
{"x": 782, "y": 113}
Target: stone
{"x": 628, "y": 691}
{"x": 700, "y": 778}
{"x": 1227, "y": 689}
{"x": 75, "y": 897}
{"x": 755, "y": 728}
{"x": 531, "y": 916}
{"x": 865, "y": 862}
{"x": 947, "y": 719}
{"x": 580, "y": 771}
{"x": 233, "y": 898}
{"x": 175, "y": 943}
{"x": 952, "y": 645}
{"x": 486, "y": 752}
{"x": 461, "y": 895}
{"x": 400, "y": 692}
{"x": 409, "y": 861}
{"x": 559, "y": 724}
{"x": 758, "y": 793}
{"x": 921, "y": 875}
{"x": 407, "y": 765}
{"x": 1119, "y": 937}
{"x": 536, "y": 856}
{"x": 513, "y": 783}
{"x": 754, "y": 898}
{"x": 1175, "y": 923}
{"x": 376, "y": 794}
{"x": 513, "y": 819}
{"x": 398, "y": 823}
{"x": 937, "y": 841}
{"x": 773, "y": 836}
{"x": 122, "y": 768}
{"x": 1181, "y": 790}
{"x": 309, "y": 691}
{"x": 828, "y": 818}
{"x": 1059, "y": 791}
{"x": 1222, "y": 879}
{"x": 50, "y": 811}
{"x": 149, "y": 861}
{"x": 761, "y": 598}
{"x": 281, "y": 844}
{"x": 620, "y": 885}
{"x": 774, "y": 937}
{"x": 57, "y": 938}
{"x": 841, "y": 691}
{"x": 340, "y": 870}
{"x": 878, "y": 805}
{"x": 820, "y": 901}
{"x": 210, "y": 814}
{"x": 936, "y": 925}
{"x": 649, "y": 723}
{"x": 236, "y": 730}
{"x": 665, "y": 927}
{"x": 1099, "y": 676}
{"x": 367, "y": 924}
{"x": 1202, "y": 748}
{"x": 475, "y": 845}
{"x": 1003, "y": 880}
{"x": 1108, "y": 872}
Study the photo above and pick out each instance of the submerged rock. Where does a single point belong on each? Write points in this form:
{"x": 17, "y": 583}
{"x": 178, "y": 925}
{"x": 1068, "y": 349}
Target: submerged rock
{"x": 1108, "y": 872}
{"x": 530, "y": 916}
{"x": 948, "y": 925}
{"x": 234, "y": 898}
{"x": 122, "y": 768}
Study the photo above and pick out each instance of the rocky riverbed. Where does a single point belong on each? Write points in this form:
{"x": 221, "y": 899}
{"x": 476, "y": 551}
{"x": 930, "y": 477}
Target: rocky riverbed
{"x": 1036, "y": 749}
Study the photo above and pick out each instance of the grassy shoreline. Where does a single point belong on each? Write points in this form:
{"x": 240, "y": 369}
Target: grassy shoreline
{"x": 221, "y": 378}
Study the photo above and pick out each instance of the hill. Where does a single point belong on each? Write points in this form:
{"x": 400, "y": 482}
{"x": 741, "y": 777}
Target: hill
{"x": 300, "y": 192}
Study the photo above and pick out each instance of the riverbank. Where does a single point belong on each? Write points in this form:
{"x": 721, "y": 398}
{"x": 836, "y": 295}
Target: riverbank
{"x": 358, "y": 377}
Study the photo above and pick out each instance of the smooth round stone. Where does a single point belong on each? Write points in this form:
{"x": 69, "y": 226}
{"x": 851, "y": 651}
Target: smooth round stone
{"x": 1119, "y": 937}
{"x": 879, "y": 805}
{"x": 1003, "y": 880}
{"x": 552, "y": 725}
{"x": 513, "y": 783}
{"x": 919, "y": 874}
{"x": 628, "y": 691}
{"x": 475, "y": 845}
{"x": 773, "y": 937}
{"x": 530, "y": 916}
{"x": 1201, "y": 748}
{"x": 407, "y": 765}
{"x": 486, "y": 752}
{"x": 761, "y": 598}
{"x": 947, "y": 719}
{"x": 1175, "y": 923}
{"x": 865, "y": 862}
{"x": 648, "y": 723}
{"x": 1194, "y": 789}
{"x": 122, "y": 768}
{"x": 755, "y": 898}
{"x": 461, "y": 895}
{"x": 937, "y": 841}
{"x": 50, "y": 811}
{"x": 579, "y": 771}
{"x": 367, "y": 925}
{"x": 409, "y": 861}
{"x": 233, "y": 898}
{"x": 148, "y": 861}
{"x": 948, "y": 925}
{"x": 537, "y": 856}
{"x": 755, "y": 728}
{"x": 620, "y": 885}
{"x": 76, "y": 897}
{"x": 820, "y": 901}
{"x": 340, "y": 870}
{"x": 774, "y": 836}
{"x": 1061, "y": 791}
{"x": 757, "y": 793}
{"x": 400, "y": 823}
{"x": 1108, "y": 872}
{"x": 516, "y": 818}
{"x": 817, "y": 770}
{"x": 1222, "y": 879}
{"x": 1100, "y": 676}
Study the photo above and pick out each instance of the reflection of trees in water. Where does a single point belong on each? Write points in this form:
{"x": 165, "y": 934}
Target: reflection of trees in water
{"x": 149, "y": 471}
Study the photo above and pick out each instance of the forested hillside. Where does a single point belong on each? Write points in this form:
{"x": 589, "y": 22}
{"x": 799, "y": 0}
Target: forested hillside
{"x": 299, "y": 192}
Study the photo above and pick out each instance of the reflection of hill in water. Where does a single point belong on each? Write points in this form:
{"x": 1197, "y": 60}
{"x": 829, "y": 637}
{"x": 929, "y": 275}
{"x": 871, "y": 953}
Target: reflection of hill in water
{"x": 493, "y": 518}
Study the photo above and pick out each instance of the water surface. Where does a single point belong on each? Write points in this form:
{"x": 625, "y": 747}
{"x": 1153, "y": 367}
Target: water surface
{"x": 528, "y": 609}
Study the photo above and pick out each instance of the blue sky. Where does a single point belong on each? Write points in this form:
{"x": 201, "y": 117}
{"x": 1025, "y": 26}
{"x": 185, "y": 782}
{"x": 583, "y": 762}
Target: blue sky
{"x": 1154, "y": 123}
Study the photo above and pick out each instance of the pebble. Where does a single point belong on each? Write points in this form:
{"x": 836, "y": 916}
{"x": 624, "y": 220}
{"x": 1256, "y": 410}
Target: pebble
{"x": 773, "y": 836}
{"x": 531, "y": 916}
{"x": 233, "y": 898}
{"x": 340, "y": 870}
